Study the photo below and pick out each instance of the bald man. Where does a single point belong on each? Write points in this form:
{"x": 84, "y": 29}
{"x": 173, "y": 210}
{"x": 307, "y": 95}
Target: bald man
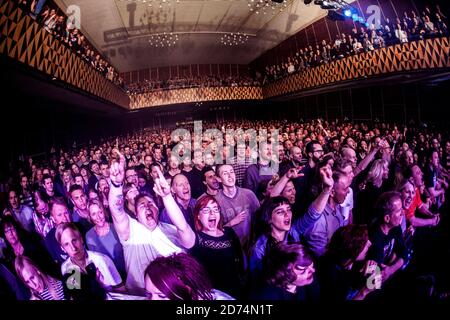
{"x": 181, "y": 189}
{"x": 295, "y": 160}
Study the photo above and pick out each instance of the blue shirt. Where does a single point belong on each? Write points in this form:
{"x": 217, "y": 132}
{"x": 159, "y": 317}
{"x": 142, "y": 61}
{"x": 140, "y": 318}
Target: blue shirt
{"x": 109, "y": 245}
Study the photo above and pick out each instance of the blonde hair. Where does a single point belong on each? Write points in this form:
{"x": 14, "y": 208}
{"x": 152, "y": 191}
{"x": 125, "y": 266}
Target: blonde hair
{"x": 375, "y": 174}
{"x": 21, "y": 262}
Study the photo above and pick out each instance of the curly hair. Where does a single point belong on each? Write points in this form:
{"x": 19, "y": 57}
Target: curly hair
{"x": 180, "y": 277}
{"x": 347, "y": 243}
{"x": 281, "y": 261}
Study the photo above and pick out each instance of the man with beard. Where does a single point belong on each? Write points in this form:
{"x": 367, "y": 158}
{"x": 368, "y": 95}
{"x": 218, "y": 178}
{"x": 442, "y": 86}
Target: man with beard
{"x": 304, "y": 196}
{"x": 146, "y": 238}
{"x": 209, "y": 179}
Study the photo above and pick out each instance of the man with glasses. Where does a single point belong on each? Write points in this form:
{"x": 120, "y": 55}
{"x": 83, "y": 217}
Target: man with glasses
{"x": 131, "y": 176}
{"x": 303, "y": 184}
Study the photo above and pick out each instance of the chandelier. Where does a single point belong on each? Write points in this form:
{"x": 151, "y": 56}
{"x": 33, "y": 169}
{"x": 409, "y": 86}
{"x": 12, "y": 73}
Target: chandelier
{"x": 234, "y": 39}
{"x": 267, "y": 6}
{"x": 163, "y": 40}
{"x": 154, "y": 3}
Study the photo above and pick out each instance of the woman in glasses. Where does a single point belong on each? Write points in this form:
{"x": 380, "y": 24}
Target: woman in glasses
{"x": 218, "y": 248}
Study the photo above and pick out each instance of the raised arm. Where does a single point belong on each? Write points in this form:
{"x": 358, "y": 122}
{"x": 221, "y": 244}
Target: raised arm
{"x": 185, "y": 233}
{"x": 370, "y": 156}
{"x": 279, "y": 186}
{"x": 327, "y": 179}
{"x": 115, "y": 199}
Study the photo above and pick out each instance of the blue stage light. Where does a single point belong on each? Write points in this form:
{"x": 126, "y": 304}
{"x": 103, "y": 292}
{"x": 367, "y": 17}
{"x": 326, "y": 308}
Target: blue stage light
{"x": 348, "y": 13}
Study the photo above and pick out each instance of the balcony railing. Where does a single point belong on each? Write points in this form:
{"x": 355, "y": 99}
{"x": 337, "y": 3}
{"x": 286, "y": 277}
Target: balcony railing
{"x": 24, "y": 40}
{"x": 412, "y": 56}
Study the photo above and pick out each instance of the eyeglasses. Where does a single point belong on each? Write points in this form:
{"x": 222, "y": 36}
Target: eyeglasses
{"x": 209, "y": 210}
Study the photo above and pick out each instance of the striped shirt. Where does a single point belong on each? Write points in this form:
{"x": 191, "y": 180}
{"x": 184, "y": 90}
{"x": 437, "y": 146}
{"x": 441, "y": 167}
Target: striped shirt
{"x": 59, "y": 290}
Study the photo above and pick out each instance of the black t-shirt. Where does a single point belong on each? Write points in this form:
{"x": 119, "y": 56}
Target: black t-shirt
{"x": 385, "y": 245}
{"x": 222, "y": 258}
{"x": 430, "y": 177}
{"x": 309, "y": 293}
{"x": 195, "y": 180}
{"x": 363, "y": 212}
{"x": 337, "y": 283}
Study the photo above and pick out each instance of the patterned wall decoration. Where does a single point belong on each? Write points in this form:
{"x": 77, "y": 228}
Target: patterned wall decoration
{"x": 22, "y": 39}
{"x": 418, "y": 55}
{"x": 165, "y": 97}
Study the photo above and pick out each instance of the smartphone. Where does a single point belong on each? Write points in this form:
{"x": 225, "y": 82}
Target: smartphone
{"x": 91, "y": 270}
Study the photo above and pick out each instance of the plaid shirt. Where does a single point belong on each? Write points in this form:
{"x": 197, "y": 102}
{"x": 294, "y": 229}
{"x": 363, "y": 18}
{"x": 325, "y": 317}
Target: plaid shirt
{"x": 239, "y": 168}
{"x": 42, "y": 224}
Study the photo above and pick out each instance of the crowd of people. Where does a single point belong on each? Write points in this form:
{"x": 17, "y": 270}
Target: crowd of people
{"x": 412, "y": 26}
{"x": 327, "y": 211}
{"x": 49, "y": 16}
{"x": 190, "y": 82}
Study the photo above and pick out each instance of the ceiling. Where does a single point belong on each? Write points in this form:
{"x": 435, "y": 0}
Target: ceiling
{"x": 120, "y": 29}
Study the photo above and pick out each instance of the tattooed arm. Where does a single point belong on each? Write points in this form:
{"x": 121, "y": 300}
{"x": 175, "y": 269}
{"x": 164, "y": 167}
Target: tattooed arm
{"x": 120, "y": 218}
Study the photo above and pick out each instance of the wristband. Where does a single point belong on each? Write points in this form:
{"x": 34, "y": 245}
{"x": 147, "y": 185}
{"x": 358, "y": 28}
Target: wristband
{"x": 117, "y": 185}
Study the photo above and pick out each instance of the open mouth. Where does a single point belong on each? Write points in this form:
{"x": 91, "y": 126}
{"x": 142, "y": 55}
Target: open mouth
{"x": 287, "y": 222}
{"x": 212, "y": 223}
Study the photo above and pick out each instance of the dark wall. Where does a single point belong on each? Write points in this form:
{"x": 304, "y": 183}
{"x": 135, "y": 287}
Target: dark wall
{"x": 424, "y": 101}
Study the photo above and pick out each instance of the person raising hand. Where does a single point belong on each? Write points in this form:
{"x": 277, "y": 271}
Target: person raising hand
{"x": 146, "y": 238}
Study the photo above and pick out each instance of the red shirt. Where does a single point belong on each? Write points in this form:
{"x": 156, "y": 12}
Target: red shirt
{"x": 416, "y": 203}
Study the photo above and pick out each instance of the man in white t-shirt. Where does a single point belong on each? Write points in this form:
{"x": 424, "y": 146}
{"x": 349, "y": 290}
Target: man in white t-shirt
{"x": 146, "y": 238}
{"x": 81, "y": 260}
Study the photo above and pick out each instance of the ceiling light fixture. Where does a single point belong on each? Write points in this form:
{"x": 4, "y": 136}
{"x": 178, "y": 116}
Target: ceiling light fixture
{"x": 163, "y": 40}
{"x": 154, "y": 3}
{"x": 234, "y": 39}
{"x": 267, "y": 6}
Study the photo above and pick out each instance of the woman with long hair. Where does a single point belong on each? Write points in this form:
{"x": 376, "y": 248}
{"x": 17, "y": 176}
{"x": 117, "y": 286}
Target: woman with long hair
{"x": 41, "y": 285}
{"x": 374, "y": 186}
